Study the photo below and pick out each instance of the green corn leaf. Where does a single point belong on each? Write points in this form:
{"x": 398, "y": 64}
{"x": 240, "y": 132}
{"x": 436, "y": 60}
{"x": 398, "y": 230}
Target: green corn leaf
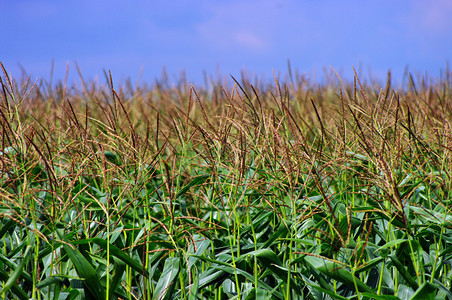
{"x": 427, "y": 291}
{"x": 442, "y": 289}
{"x": 300, "y": 241}
{"x": 271, "y": 261}
{"x": 73, "y": 294}
{"x": 391, "y": 244}
{"x": 370, "y": 264}
{"x": 116, "y": 252}
{"x": 224, "y": 268}
{"x": 15, "y": 289}
{"x": 49, "y": 281}
{"x": 201, "y": 246}
{"x": 84, "y": 270}
{"x": 10, "y": 263}
{"x": 194, "y": 289}
{"x": 337, "y": 272}
{"x": 15, "y": 275}
{"x": 380, "y": 297}
{"x": 211, "y": 277}
{"x": 167, "y": 281}
{"x": 258, "y": 294}
{"x": 401, "y": 268}
{"x": 319, "y": 279}
{"x": 195, "y": 181}
{"x": 282, "y": 231}
{"x": 432, "y": 216}
{"x": 120, "y": 268}
{"x": 257, "y": 220}
{"x": 112, "y": 157}
{"x": 328, "y": 292}
{"x": 6, "y": 227}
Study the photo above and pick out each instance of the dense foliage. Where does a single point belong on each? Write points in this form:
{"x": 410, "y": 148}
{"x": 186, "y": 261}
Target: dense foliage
{"x": 284, "y": 190}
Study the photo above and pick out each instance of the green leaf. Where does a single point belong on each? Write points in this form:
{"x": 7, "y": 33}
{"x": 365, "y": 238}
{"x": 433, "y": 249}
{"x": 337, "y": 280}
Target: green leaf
{"x": 271, "y": 261}
{"x": 357, "y": 156}
{"x": 201, "y": 247}
{"x": 166, "y": 281}
{"x": 73, "y": 294}
{"x": 211, "y": 277}
{"x": 15, "y": 289}
{"x": 380, "y": 297}
{"x": 368, "y": 265}
{"x": 194, "y": 289}
{"x": 84, "y": 269}
{"x": 258, "y": 294}
{"x": 300, "y": 241}
{"x": 195, "y": 181}
{"x": 120, "y": 268}
{"x": 401, "y": 268}
{"x": 432, "y": 216}
{"x": 391, "y": 244}
{"x": 328, "y": 292}
{"x": 259, "y": 218}
{"x": 15, "y": 275}
{"x": 427, "y": 291}
{"x": 6, "y": 227}
{"x": 317, "y": 278}
{"x": 10, "y": 263}
{"x": 49, "y": 281}
{"x": 282, "y": 231}
{"x": 115, "y": 251}
{"x": 337, "y": 272}
{"x": 207, "y": 278}
{"x": 112, "y": 157}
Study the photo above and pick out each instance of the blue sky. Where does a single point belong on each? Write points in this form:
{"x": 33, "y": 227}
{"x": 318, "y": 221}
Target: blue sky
{"x": 223, "y": 37}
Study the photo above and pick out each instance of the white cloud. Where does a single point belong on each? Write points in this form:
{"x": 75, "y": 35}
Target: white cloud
{"x": 251, "y": 40}
{"x": 249, "y": 26}
{"x": 430, "y": 17}
{"x": 438, "y": 15}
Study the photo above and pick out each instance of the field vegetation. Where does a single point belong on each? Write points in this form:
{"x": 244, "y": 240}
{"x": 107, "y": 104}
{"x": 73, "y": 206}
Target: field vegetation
{"x": 238, "y": 190}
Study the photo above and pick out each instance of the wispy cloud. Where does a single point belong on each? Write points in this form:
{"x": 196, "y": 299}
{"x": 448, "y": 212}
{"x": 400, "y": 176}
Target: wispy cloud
{"x": 259, "y": 35}
{"x": 429, "y": 17}
{"x": 247, "y": 26}
{"x": 251, "y": 40}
